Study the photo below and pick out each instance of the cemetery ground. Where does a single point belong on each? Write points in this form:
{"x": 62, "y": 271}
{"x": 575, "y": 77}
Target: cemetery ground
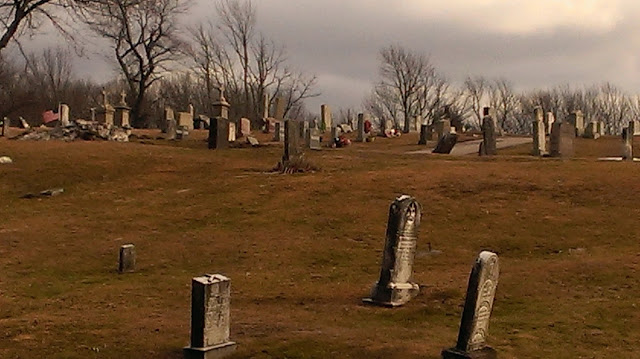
{"x": 302, "y": 250}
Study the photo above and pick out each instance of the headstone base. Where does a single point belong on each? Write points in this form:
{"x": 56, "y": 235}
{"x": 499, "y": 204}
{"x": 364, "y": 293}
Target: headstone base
{"x": 214, "y": 352}
{"x": 393, "y": 295}
{"x": 485, "y": 353}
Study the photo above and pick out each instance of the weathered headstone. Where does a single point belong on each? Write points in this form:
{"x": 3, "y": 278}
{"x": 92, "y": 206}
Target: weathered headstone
{"x": 576, "y": 118}
{"x": 278, "y": 133}
{"x": 185, "y": 119}
{"x": 221, "y": 107}
{"x": 210, "y": 318}
{"x": 292, "y": 142}
{"x": 539, "y": 137}
{"x": 627, "y": 141}
{"x": 446, "y": 143}
{"x": 106, "y": 112}
{"x": 127, "y": 259}
{"x": 265, "y": 106}
{"x": 232, "y": 131}
{"x": 592, "y": 131}
{"x": 245, "y": 126}
{"x": 280, "y": 108}
{"x": 23, "y": 123}
{"x": 172, "y": 129}
{"x": 474, "y": 326}
{"x": 424, "y": 133}
{"x": 5, "y": 126}
{"x": 64, "y": 115}
{"x": 362, "y": 136}
{"x": 442, "y": 127}
{"x": 327, "y": 118}
{"x": 121, "y": 117}
{"x": 562, "y": 137}
{"x": 218, "y": 133}
{"x": 395, "y": 286}
{"x": 601, "y": 128}
{"x": 548, "y": 122}
{"x": 314, "y": 139}
{"x": 168, "y": 117}
{"x": 488, "y": 146}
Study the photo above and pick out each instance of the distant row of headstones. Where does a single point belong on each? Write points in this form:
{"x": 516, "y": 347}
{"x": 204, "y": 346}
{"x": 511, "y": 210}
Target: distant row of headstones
{"x": 211, "y": 293}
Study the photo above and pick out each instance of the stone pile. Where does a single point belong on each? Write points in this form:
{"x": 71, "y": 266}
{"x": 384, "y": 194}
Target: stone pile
{"x": 79, "y": 129}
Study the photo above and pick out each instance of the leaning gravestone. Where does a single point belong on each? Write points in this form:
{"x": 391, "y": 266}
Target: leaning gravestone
{"x": 539, "y": 137}
{"x": 488, "y": 146}
{"x": 562, "y": 136}
{"x": 474, "y": 326}
{"x": 218, "y": 133}
{"x": 210, "y": 318}
{"x": 446, "y": 143}
{"x": 127, "y": 259}
{"x": 395, "y": 286}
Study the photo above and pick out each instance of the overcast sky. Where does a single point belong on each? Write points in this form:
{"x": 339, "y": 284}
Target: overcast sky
{"x": 532, "y": 43}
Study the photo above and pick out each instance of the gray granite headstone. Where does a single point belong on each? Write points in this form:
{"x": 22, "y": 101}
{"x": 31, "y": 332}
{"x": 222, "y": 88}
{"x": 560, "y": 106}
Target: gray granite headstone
{"x": 218, "y": 133}
{"x": 395, "y": 286}
{"x": 539, "y": 137}
{"x": 474, "y": 326}
{"x": 292, "y": 141}
{"x": 446, "y": 143}
{"x": 562, "y": 137}
{"x": 210, "y": 318}
{"x": 362, "y": 136}
{"x": 314, "y": 138}
{"x": 127, "y": 259}
{"x": 442, "y": 127}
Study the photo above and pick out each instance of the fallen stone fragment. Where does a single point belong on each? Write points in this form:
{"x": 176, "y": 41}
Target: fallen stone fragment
{"x": 52, "y": 192}
{"x": 5, "y": 160}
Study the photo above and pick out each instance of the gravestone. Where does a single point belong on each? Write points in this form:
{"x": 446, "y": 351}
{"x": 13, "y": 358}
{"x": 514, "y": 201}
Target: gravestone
{"x": 265, "y": 106}
{"x": 562, "y": 137}
{"x": 121, "y": 116}
{"x": 314, "y": 139}
{"x": 591, "y": 131}
{"x": 601, "y": 128}
{"x": 576, "y": 118}
{"x": 539, "y": 137}
{"x": 232, "y": 131}
{"x": 218, "y": 133}
{"x": 106, "y": 112}
{"x": 64, "y": 115}
{"x": 245, "y": 126}
{"x": 488, "y": 146}
{"x": 362, "y": 136}
{"x": 172, "y": 129}
{"x": 210, "y": 318}
{"x": 278, "y": 133}
{"x": 280, "y": 108}
{"x": 474, "y": 326}
{"x": 185, "y": 119}
{"x": 168, "y": 117}
{"x": 127, "y": 260}
{"x": 627, "y": 141}
{"x": 23, "y": 123}
{"x": 395, "y": 286}
{"x": 5, "y": 126}
{"x": 221, "y": 107}
{"x": 424, "y": 133}
{"x": 548, "y": 122}
{"x": 325, "y": 115}
{"x": 446, "y": 143}
{"x": 442, "y": 127}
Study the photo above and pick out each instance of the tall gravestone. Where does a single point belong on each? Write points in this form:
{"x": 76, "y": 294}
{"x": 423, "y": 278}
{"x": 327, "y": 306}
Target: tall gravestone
{"x": 591, "y": 131}
{"x": 576, "y": 118}
{"x": 221, "y": 107}
{"x": 627, "y": 141}
{"x": 168, "y": 117}
{"x": 278, "y": 133}
{"x": 106, "y": 112}
{"x": 488, "y": 146}
{"x": 280, "y": 108}
{"x": 65, "y": 119}
{"x": 325, "y": 114}
{"x": 442, "y": 127}
{"x": 424, "y": 134}
{"x": 127, "y": 259}
{"x": 362, "y": 136}
{"x": 5, "y": 126}
{"x": 121, "y": 116}
{"x": 474, "y": 326}
{"x": 395, "y": 286}
{"x": 548, "y": 122}
{"x": 210, "y": 318}
{"x": 562, "y": 137}
{"x": 218, "y": 133}
{"x": 292, "y": 142}
{"x": 539, "y": 137}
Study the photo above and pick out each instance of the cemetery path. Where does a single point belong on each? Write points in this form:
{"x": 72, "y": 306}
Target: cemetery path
{"x": 471, "y": 147}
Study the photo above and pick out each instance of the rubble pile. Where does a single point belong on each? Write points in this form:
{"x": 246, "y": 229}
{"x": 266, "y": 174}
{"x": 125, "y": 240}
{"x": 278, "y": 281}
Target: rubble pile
{"x": 79, "y": 129}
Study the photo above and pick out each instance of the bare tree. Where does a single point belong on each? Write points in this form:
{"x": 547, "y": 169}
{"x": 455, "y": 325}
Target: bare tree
{"x": 476, "y": 88}
{"x": 145, "y": 39}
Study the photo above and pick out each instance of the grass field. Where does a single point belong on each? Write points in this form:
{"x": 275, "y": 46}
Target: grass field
{"x": 302, "y": 250}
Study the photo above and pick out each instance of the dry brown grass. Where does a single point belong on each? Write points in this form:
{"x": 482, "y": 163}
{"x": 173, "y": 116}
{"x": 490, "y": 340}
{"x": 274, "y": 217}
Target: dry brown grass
{"x": 302, "y": 250}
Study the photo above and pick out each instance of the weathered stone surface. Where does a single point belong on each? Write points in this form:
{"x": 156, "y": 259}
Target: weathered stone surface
{"x": 549, "y": 120}
{"x": 424, "y": 134}
{"x": 253, "y": 141}
{"x": 488, "y": 146}
{"x": 395, "y": 286}
{"x": 280, "y": 108}
{"x": 172, "y": 129}
{"x": 278, "y": 133}
{"x": 627, "y": 141}
{"x": 446, "y": 143}
{"x": 266, "y": 102}
{"x": 474, "y": 326}
{"x": 362, "y": 136}
{"x": 292, "y": 141}
{"x": 314, "y": 139}
{"x": 326, "y": 116}
{"x": 210, "y": 318}
{"x": 185, "y": 119}
{"x": 576, "y": 118}
{"x": 65, "y": 119}
{"x": 221, "y": 107}
{"x": 539, "y": 136}
{"x": 245, "y": 126}
{"x": 562, "y": 136}
{"x": 232, "y": 131}
{"x": 218, "y": 133}
{"x": 127, "y": 259}
{"x": 121, "y": 117}
{"x": 5, "y": 126}
{"x": 442, "y": 127}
